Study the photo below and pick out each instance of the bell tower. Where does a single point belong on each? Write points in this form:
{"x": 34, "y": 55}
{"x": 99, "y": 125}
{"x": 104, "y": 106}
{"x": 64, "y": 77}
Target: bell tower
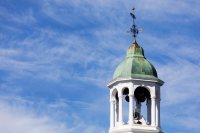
{"x": 136, "y": 84}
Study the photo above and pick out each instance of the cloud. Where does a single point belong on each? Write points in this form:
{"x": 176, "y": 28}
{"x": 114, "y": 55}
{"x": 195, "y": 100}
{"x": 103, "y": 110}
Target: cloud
{"x": 173, "y": 11}
{"x": 47, "y": 52}
{"x": 177, "y": 118}
{"x": 18, "y": 117}
{"x": 18, "y": 17}
{"x": 89, "y": 12}
{"x": 107, "y": 12}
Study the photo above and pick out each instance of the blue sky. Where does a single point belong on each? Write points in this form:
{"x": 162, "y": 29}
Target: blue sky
{"x": 56, "y": 57}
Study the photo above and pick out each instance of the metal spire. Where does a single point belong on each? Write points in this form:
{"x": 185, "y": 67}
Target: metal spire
{"x": 134, "y": 30}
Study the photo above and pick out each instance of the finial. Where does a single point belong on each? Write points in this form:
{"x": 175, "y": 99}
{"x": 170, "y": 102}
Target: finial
{"x": 134, "y": 30}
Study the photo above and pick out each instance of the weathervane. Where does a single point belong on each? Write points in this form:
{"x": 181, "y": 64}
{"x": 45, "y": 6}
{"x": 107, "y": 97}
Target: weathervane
{"x": 134, "y": 30}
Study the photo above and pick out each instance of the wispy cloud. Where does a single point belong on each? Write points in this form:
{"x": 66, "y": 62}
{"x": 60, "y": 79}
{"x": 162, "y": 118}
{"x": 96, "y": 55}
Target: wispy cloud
{"x": 179, "y": 10}
{"x": 47, "y": 53}
{"x": 177, "y": 117}
{"x": 17, "y": 17}
{"x": 108, "y": 11}
{"x": 16, "y": 117}
{"x": 86, "y": 10}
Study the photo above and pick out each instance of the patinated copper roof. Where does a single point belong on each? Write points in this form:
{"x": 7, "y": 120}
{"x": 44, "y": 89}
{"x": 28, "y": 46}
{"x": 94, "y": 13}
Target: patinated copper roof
{"x": 135, "y": 65}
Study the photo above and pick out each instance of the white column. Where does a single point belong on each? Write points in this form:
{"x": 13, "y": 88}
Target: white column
{"x": 112, "y": 114}
{"x": 120, "y": 110}
{"x": 153, "y": 111}
{"x": 158, "y": 112}
{"x": 131, "y": 108}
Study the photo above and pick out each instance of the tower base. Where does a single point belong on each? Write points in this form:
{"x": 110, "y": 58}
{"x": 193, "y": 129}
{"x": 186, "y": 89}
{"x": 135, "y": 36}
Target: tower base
{"x": 135, "y": 129}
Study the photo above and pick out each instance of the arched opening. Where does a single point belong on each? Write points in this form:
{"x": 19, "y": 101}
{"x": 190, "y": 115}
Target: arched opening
{"x": 125, "y": 107}
{"x": 142, "y": 110}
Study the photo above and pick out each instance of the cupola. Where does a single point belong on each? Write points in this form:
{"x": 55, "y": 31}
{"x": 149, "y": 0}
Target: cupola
{"x": 135, "y": 93}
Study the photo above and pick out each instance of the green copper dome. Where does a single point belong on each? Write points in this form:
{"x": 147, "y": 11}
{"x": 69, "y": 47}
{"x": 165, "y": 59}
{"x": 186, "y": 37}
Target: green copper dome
{"x": 135, "y": 65}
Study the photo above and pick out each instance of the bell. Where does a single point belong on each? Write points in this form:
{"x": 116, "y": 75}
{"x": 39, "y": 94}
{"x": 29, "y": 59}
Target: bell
{"x": 127, "y": 98}
{"x": 140, "y": 94}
